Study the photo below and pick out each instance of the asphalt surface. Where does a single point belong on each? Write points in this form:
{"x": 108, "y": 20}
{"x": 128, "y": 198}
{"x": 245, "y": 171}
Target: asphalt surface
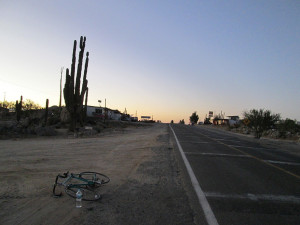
{"x": 244, "y": 180}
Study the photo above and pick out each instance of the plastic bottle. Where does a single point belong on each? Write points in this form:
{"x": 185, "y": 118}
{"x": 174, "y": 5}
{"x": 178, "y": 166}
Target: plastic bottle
{"x": 78, "y": 199}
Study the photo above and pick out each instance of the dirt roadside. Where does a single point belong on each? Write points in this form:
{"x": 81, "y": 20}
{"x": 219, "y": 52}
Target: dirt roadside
{"x": 145, "y": 188}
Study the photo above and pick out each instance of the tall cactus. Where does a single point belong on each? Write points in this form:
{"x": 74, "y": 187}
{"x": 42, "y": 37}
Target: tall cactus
{"x": 19, "y": 108}
{"x": 46, "y": 112}
{"x": 72, "y": 94}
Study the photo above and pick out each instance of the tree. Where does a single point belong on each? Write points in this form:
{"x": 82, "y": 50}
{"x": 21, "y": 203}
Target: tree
{"x": 260, "y": 120}
{"x": 194, "y": 118}
{"x": 172, "y": 121}
{"x": 29, "y": 105}
{"x": 8, "y": 105}
{"x": 181, "y": 121}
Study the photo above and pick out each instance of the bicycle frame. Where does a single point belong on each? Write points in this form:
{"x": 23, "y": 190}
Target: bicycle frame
{"x": 70, "y": 177}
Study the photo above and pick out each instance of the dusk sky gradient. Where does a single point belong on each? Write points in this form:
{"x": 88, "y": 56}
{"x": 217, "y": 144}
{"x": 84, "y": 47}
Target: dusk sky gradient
{"x": 164, "y": 58}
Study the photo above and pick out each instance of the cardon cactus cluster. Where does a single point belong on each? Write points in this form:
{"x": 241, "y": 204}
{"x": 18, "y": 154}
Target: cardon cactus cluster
{"x": 73, "y": 96}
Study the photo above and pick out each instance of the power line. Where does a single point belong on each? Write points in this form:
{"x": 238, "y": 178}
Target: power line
{"x": 26, "y": 87}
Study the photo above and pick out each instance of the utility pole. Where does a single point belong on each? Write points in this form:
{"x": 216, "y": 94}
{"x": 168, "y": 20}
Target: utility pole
{"x": 4, "y": 99}
{"x": 105, "y": 112}
{"x": 60, "y": 93}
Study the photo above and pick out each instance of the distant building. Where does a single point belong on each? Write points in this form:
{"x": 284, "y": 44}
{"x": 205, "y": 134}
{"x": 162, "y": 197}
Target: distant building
{"x": 233, "y": 120}
{"x": 114, "y": 114}
{"x": 220, "y": 121}
{"x": 94, "y": 111}
{"x": 236, "y": 118}
{"x": 102, "y": 113}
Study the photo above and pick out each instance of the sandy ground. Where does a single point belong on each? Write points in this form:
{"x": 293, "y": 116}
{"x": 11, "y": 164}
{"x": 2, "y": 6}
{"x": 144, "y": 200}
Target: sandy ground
{"x": 145, "y": 188}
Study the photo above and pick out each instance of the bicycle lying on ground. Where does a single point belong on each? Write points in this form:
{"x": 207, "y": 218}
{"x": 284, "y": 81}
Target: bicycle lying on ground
{"x": 87, "y": 182}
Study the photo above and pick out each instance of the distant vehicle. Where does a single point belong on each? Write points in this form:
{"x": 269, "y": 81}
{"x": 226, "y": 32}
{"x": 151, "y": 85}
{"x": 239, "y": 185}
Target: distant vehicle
{"x": 200, "y": 123}
{"x": 134, "y": 119}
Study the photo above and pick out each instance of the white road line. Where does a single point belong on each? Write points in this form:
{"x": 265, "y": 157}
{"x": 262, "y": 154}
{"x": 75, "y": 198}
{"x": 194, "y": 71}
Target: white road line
{"x": 240, "y": 146}
{"x": 254, "y": 197}
{"x": 216, "y": 154}
{"x": 240, "y": 156}
{"x": 209, "y": 215}
{"x": 231, "y": 140}
{"x": 284, "y": 163}
{"x": 225, "y": 139}
{"x": 195, "y": 142}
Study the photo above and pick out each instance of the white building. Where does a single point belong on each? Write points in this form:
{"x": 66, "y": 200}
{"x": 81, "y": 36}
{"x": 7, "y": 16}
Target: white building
{"x": 94, "y": 111}
{"x": 114, "y": 114}
{"x": 100, "y": 112}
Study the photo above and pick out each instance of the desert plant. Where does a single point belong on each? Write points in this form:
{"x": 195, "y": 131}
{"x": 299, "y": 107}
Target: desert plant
{"x": 29, "y": 105}
{"x": 85, "y": 105}
{"x": 207, "y": 121}
{"x": 19, "y": 108}
{"x": 8, "y": 105}
{"x": 46, "y": 111}
{"x": 72, "y": 94}
{"x": 287, "y": 126}
{"x": 260, "y": 120}
{"x": 194, "y": 118}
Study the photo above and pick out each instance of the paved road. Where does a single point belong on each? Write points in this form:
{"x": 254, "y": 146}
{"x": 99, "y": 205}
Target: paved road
{"x": 245, "y": 181}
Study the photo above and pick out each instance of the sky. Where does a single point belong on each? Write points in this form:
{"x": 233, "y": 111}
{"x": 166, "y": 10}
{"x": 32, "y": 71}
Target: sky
{"x": 160, "y": 58}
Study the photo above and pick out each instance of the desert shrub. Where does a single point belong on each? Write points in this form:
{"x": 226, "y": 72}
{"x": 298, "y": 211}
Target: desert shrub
{"x": 286, "y": 127}
{"x": 260, "y": 121}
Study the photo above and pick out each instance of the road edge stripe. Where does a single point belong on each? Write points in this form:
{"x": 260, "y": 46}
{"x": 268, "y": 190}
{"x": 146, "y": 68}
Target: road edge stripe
{"x": 209, "y": 215}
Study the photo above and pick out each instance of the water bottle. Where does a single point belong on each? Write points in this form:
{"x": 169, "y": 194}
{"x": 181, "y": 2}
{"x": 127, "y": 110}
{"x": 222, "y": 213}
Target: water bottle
{"x": 78, "y": 199}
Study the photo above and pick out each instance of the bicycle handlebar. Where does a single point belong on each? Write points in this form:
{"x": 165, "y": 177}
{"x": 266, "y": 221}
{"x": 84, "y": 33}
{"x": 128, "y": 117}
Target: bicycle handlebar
{"x": 55, "y": 184}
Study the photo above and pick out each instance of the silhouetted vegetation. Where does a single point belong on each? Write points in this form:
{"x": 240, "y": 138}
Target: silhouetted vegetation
{"x": 72, "y": 94}
{"x": 30, "y": 105}
{"x": 19, "y": 108}
{"x": 260, "y": 121}
{"x": 207, "y": 121}
{"x": 194, "y": 118}
{"x": 287, "y": 127}
{"x": 181, "y": 121}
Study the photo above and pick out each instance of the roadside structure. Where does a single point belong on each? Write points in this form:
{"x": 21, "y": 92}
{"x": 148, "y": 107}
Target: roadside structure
{"x": 231, "y": 121}
{"x": 107, "y": 113}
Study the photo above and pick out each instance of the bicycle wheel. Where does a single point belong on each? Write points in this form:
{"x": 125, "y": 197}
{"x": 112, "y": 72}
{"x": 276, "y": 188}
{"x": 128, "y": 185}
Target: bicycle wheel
{"x": 97, "y": 178}
{"x": 88, "y": 193}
